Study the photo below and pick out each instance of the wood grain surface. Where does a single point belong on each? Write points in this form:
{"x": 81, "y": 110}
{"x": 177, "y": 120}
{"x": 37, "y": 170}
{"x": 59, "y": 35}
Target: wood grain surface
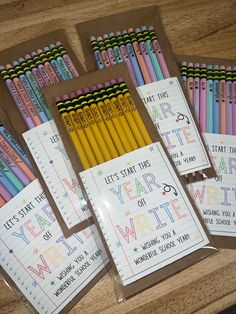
{"x": 200, "y": 27}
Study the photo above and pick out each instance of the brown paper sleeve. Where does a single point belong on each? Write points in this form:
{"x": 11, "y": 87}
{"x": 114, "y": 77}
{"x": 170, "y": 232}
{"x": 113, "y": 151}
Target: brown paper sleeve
{"x": 17, "y": 122}
{"x": 88, "y": 80}
{"x": 221, "y": 241}
{"x": 149, "y": 16}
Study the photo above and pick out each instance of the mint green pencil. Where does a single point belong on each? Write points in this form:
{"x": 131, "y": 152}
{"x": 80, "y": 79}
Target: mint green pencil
{"x": 152, "y": 53}
{"x": 11, "y": 176}
{"x": 209, "y": 126}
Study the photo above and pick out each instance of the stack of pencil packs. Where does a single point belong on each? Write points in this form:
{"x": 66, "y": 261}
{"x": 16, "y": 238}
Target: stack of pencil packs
{"x": 212, "y": 91}
{"x": 139, "y": 49}
{"x": 26, "y": 77}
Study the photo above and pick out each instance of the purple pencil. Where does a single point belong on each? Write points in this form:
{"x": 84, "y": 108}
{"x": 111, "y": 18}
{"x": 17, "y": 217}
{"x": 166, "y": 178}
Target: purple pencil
{"x": 47, "y": 79}
{"x": 110, "y": 52}
{"x": 17, "y": 98}
{"x": 145, "y": 54}
{"x": 35, "y": 70}
{"x": 234, "y": 99}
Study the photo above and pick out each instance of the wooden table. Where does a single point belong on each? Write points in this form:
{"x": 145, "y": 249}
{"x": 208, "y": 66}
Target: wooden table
{"x": 201, "y": 27}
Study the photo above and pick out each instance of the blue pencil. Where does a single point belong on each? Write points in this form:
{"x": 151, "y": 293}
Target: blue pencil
{"x": 133, "y": 60}
{"x": 14, "y": 144}
{"x": 8, "y": 184}
{"x": 209, "y": 99}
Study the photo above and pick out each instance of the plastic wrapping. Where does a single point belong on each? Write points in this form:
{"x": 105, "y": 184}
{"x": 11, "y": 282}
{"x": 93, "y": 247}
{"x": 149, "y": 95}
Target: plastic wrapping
{"x": 149, "y": 16}
{"x": 130, "y": 206}
{"x": 49, "y": 272}
{"x": 215, "y": 197}
{"x": 44, "y": 146}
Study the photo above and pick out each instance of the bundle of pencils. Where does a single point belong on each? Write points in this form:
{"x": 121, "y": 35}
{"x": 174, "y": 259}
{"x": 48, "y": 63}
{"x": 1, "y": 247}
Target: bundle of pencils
{"x": 26, "y": 77}
{"x": 103, "y": 122}
{"x": 139, "y": 49}
{"x": 15, "y": 169}
{"x": 212, "y": 91}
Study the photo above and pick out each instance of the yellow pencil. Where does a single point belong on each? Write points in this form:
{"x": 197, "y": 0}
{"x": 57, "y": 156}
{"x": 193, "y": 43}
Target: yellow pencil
{"x": 113, "y": 114}
{"x": 80, "y": 132}
{"x": 72, "y": 133}
{"x": 123, "y": 102}
{"x": 121, "y": 116}
{"x": 135, "y": 113}
{"x": 108, "y": 121}
{"x": 93, "y": 125}
{"x": 88, "y": 131}
{"x": 100, "y": 123}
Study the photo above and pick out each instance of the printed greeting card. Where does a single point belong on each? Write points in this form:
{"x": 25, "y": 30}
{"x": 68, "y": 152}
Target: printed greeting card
{"x": 169, "y": 110}
{"x": 48, "y": 269}
{"x": 216, "y": 198}
{"x": 144, "y": 213}
{"x": 48, "y": 151}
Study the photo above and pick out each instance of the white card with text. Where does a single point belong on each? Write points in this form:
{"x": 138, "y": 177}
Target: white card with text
{"x": 216, "y": 198}
{"x": 169, "y": 110}
{"x": 49, "y": 269}
{"x": 143, "y": 211}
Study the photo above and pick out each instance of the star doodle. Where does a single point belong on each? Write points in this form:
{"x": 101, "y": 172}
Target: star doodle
{"x": 11, "y": 251}
{"x": 24, "y": 201}
{"x": 65, "y": 195}
{"x": 135, "y": 250}
{"x": 118, "y": 244}
{"x": 36, "y": 251}
{"x": 151, "y": 148}
{"x": 52, "y": 283}
{"x": 127, "y": 213}
{"x": 177, "y": 120}
{"x": 222, "y": 142}
{"x": 129, "y": 163}
{"x": 100, "y": 172}
{"x": 51, "y": 162}
{"x": 164, "y": 193}
{"x": 34, "y": 283}
{"x": 45, "y": 133}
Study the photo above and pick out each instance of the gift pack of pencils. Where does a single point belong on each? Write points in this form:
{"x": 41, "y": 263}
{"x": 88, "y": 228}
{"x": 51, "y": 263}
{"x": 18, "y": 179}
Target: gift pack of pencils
{"x": 212, "y": 89}
{"x": 131, "y": 184}
{"x": 137, "y": 39}
{"x": 32, "y": 240}
{"x": 25, "y": 70}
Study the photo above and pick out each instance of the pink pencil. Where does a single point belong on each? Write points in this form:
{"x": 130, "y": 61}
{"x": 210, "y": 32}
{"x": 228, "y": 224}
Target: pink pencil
{"x": 2, "y": 201}
{"x": 4, "y": 193}
{"x": 16, "y": 158}
{"x": 139, "y": 56}
{"x": 234, "y": 99}
{"x": 190, "y": 81}
{"x": 67, "y": 60}
{"x": 223, "y": 111}
{"x": 103, "y": 52}
{"x": 203, "y": 101}
{"x": 48, "y": 67}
